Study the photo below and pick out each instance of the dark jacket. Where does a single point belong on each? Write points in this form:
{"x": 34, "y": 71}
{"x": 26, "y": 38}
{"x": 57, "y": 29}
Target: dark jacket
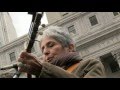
{"x": 86, "y": 69}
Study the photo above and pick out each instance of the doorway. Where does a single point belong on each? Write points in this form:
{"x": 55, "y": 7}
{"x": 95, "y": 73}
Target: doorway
{"x": 110, "y": 63}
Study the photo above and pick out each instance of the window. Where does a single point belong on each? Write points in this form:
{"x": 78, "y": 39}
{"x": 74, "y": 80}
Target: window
{"x": 93, "y": 20}
{"x": 12, "y": 56}
{"x": 114, "y": 66}
{"x": 71, "y": 29}
{"x": 110, "y": 61}
{"x": 116, "y": 13}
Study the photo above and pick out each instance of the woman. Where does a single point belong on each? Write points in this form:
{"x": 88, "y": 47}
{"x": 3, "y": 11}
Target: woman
{"x": 60, "y": 58}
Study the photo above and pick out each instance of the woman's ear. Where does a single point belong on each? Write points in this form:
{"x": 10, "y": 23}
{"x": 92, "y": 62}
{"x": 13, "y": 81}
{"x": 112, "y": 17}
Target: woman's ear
{"x": 71, "y": 48}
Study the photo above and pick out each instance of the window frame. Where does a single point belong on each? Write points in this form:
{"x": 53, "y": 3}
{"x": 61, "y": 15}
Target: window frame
{"x": 73, "y": 34}
{"x": 96, "y": 20}
{"x": 11, "y": 59}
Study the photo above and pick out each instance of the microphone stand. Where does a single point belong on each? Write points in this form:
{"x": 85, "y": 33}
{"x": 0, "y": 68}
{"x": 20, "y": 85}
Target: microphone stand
{"x": 17, "y": 74}
{"x": 15, "y": 66}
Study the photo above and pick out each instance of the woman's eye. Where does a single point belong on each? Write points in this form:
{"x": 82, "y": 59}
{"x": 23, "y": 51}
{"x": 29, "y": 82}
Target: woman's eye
{"x": 51, "y": 44}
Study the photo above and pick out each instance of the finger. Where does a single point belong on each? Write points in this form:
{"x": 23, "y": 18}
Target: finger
{"x": 22, "y": 55}
{"x": 29, "y": 69}
{"x": 35, "y": 70}
{"x": 26, "y": 55}
{"x": 34, "y": 64}
{"x": 30, "y": 62}
{"x": 22, "y": 60}
{"x": 25, "y": 68}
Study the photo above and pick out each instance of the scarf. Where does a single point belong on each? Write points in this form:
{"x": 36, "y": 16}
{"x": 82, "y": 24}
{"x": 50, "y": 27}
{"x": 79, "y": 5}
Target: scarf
{"x": 65, "y": 60}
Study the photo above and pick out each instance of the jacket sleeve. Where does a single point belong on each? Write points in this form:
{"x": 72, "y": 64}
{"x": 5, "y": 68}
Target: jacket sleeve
{"x": 52, "y": 71}
{"x": 91, "y": 69}
{"x": 86, "y": 69}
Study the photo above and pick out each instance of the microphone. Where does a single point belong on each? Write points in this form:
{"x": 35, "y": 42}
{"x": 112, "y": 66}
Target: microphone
{"x": 19, "y": 64}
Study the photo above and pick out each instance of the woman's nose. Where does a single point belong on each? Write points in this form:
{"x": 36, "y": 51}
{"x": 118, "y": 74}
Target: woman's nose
{"x": 46, "y": 52}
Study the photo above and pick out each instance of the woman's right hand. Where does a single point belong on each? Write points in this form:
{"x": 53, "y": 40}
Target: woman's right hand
{"x": 31, "y": 64}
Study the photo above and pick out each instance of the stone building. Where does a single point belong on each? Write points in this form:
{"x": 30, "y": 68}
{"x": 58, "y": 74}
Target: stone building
{"x": 97, "y": 35}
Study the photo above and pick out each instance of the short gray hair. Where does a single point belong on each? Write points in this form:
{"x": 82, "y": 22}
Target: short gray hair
{"x": 59, "y": 34}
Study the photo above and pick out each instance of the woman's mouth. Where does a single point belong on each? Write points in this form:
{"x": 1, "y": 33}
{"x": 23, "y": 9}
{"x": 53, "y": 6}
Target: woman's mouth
{"x": 49, "y": 59}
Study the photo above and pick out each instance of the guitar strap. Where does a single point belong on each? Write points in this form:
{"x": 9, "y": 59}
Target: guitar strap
{"x": 73, "y": 67}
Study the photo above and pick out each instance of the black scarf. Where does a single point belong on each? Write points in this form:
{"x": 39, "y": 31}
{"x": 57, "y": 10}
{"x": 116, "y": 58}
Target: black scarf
{"x": 65, "y": 60}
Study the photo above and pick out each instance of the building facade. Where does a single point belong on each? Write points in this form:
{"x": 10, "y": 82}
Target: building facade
{"x": 97, "y": 35}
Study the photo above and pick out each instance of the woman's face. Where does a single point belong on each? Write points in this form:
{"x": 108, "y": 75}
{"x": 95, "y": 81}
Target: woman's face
{"x": 51, "y": 48}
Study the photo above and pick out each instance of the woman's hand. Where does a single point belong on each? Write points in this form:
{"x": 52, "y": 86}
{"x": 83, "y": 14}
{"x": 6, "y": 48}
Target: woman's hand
{"x": 31, "y": 64}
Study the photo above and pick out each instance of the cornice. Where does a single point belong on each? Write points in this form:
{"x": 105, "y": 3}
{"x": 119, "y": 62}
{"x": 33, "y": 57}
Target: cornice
{"x": 89, "y": 37}
{"x": 68, "y": 18}
{"x": 18, "y": 41}
{"x": 64, "y": 20}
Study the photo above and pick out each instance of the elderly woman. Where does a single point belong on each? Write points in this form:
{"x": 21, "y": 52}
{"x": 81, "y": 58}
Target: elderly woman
{"x": 60, "y": 58}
